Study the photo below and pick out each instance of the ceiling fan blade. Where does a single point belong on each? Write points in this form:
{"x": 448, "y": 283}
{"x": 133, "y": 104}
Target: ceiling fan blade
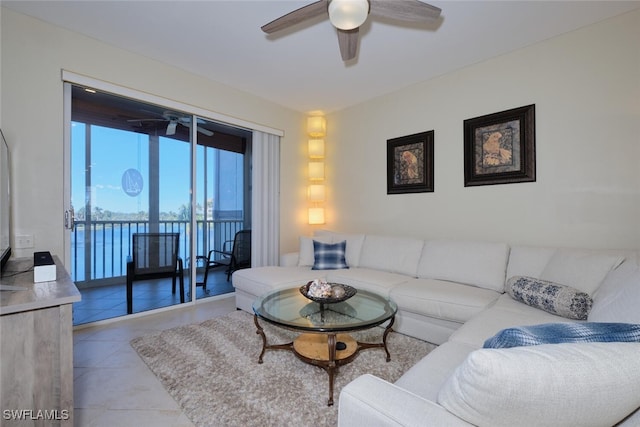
{"x": 200, "y": 129}
{"x": 204, "y": 131}
{"x": 348, "y": 41}
{"x": 145, "y": 120}
{"x": 299, "y": 15}
{"x": 404, "y": 10}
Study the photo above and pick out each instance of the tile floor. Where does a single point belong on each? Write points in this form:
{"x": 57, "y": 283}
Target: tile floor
{"x": 113, "y": 386}
{"x": 106, "y": 302}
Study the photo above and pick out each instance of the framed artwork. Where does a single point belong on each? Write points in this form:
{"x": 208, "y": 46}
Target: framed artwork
{"x": 410, "y": 164}
{"x": 500, "y": 148}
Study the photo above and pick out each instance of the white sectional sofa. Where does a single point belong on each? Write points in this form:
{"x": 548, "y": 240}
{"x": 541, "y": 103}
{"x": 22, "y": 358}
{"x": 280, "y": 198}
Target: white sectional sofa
{"x": 452, "y": 293}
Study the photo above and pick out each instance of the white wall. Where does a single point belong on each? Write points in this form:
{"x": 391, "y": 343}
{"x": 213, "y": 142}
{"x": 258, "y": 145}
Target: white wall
{"x": 33, "y": 55}
{"x": 586, "y": 88}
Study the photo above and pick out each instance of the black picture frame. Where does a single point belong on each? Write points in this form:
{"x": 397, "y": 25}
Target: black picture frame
{"x": 500, "y": 148}
{"x": 410, "y": 163}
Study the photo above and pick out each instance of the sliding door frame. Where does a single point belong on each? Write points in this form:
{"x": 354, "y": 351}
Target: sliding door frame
{"x": 70, "y": 78}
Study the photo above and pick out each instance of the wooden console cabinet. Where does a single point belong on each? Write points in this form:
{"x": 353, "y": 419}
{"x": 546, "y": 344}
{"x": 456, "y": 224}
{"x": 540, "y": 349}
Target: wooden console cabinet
{"x": 36, "y": 347}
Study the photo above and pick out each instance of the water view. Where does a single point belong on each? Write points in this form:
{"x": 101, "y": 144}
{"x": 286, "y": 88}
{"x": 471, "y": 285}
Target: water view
{"x": 100, "y": 252}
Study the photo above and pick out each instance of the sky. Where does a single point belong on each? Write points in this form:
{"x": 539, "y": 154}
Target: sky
{"x": 115, "y": 153}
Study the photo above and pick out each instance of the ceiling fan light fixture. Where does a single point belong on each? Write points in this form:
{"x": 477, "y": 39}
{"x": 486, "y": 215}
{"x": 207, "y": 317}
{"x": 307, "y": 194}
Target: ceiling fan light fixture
{"x": 171, "y": 127}
{"x": 348, "y": 14}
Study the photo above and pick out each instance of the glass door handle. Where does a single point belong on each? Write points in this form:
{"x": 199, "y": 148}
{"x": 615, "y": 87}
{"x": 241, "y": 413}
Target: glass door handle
{"x": 69, "y": 219}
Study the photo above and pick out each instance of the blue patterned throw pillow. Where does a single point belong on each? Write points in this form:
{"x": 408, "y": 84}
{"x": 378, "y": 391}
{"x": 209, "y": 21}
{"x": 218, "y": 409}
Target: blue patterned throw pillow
{"x": 329, "y": 256}
{"x": 557, "y": 333}
{"x": 551, "y": 297}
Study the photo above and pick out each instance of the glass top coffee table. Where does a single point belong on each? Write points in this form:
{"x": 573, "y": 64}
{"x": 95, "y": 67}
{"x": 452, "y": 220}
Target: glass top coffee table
{"x": 324, "y": 328}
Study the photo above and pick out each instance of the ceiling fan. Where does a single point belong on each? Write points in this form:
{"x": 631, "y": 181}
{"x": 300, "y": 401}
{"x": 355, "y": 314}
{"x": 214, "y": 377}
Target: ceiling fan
{"x": 174, "y": 120}
{"x": 348, "y": 15}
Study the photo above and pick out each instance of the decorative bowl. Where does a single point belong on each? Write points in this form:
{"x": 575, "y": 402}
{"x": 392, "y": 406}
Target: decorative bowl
{"x": 346, "y": 291}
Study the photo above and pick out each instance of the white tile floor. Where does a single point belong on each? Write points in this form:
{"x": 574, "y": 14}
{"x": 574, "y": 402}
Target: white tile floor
{"x": 113, "y": 386}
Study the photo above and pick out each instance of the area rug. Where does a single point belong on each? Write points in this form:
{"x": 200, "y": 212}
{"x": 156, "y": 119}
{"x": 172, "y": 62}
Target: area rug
{"x": 211, "y": 369}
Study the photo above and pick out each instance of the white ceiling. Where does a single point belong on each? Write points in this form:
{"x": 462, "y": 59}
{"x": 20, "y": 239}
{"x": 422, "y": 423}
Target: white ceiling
{"x": 302, "y": 69}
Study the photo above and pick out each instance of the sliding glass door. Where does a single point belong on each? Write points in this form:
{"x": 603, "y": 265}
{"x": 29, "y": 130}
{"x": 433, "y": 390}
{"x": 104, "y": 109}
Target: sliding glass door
{"x": 140, "y": 168}
{"x": 222, "y": 201}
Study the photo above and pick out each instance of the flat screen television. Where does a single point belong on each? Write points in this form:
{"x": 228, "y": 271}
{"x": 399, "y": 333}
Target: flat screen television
{"x": 5, "y": 202}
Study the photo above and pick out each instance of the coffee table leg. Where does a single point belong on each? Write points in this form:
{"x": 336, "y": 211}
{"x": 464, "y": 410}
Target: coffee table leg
{"x": 384, "y": 337}
{"x": 260, "y": 332}
{"x": 383, "y": 344}
{"x": 331, "y": 368}
{"x": 265, "y": 347}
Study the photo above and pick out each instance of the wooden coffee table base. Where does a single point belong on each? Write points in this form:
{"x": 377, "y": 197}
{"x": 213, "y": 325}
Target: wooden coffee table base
{"x": 315, "y": 347}
{"x": 319, "y": 349}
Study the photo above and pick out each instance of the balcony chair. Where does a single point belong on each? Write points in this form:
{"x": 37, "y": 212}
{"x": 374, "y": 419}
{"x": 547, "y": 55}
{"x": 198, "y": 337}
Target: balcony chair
{"x": 154, "y": 256}
{"x": 237, "y": 258}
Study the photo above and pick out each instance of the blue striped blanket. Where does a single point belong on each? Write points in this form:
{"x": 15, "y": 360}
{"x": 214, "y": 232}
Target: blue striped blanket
{"x": 555, "y": 333}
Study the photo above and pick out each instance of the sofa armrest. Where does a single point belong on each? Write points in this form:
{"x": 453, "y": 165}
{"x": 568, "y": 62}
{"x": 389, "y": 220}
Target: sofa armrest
{"x": 289, "y": 259}
{"x": 374, "y": 402}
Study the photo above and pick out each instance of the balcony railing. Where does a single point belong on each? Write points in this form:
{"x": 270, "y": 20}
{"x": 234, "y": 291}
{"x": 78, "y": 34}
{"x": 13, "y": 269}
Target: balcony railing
{"x": 99, "y": 249}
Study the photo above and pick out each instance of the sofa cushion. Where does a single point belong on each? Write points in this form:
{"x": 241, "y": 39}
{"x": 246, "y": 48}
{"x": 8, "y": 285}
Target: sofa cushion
{"x": 504, "y": 313}
{"x": 528, "y": 260}
{"x": 618, "y": 298}
{"x": 259, "y": 280}
{"x": 380, "y": 282}
{"x": 437, "y": 366}
{"x": 373, "y": 402}
{"x": 552, "y": 297}
{"x": 354, "y": 243}
{"x": 556, "y": 333}
{"x": 441, "y": 299}
{"x": 579, "y": 269}
{"x": 478, "y": 264}
{"x": 585, "y": 384}
{"x": 329, "y": 256}
{"x": 306, "y": 257}
{"x": 392, "y": 254}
